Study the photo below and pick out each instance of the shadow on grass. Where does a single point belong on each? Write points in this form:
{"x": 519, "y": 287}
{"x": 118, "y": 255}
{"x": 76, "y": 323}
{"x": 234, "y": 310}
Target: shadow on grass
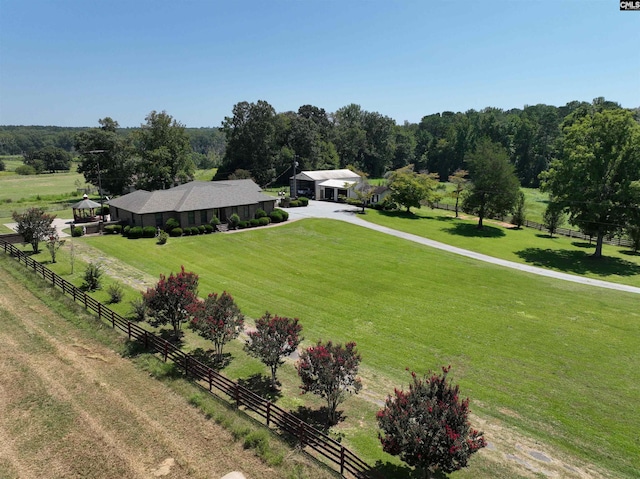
{"x": 134, "y": 348}
{"x": 582, "y": 244}
{"x": 261, "y": 385}
{"x": 629, "y": 252}
{"x": 403, "y": 214}
{"x": 578, "y": 262}
{"x": 318, "y": 418}
{"x": 545, "y": 236}
{"x": 397, "y": 471}
{"x": 472, "y": 231}
{"x": 168, "y": 335}
{"x": 209, "y": 359}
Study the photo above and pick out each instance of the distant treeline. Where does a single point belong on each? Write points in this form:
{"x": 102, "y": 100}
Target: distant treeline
{"x": 21, "y": 140}
{"x": 261, "y": 143}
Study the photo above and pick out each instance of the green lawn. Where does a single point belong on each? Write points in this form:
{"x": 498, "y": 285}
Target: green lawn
{"x": 527, "y": 245}
{"x": 553, "y": 359}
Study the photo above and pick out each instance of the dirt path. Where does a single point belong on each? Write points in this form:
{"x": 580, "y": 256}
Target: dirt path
{"x": 70, "y": 407}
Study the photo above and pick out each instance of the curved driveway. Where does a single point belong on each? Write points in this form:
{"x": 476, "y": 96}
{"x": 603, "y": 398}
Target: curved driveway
{"x": 342, "y": 212}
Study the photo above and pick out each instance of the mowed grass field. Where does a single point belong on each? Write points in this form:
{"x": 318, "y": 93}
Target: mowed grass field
{"x": 554, "y": 360}
{"x": 72, "y": 406}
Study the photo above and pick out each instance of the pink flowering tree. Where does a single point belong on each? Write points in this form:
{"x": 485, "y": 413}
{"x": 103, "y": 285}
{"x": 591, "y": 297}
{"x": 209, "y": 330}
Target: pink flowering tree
{"x": 274, "y": 339}
{"x": 218, "y": 319}
{"x": 330, "y": 371}
{"x": 170, "y": 300}
{"x": 428, "y": 426}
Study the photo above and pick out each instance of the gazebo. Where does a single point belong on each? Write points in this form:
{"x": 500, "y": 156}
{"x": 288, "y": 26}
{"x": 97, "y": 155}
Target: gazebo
{"x": 85, "y": 211}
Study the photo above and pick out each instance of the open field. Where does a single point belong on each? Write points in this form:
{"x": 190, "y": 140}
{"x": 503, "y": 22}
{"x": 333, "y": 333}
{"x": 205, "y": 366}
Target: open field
{"x": 527, "y": 245}
{"x": 72, "y": 407}
{"x": 534, "y": 354}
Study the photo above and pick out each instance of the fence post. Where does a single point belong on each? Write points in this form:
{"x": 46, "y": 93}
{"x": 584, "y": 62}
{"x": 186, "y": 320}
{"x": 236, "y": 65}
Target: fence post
{"x": 210, "y": 380}
{"x": 129, "y": 329}
{"x": 237, "y": 394}
{"x": 85, "y": 300}
{"x": 166, "y": 350}
{"x": 113, "y": 319}
{"x": 99, "y": 310}
{"x": 342, "y": 460}
{"x": 301, "y": 433}
{"x": 268, "y": 412}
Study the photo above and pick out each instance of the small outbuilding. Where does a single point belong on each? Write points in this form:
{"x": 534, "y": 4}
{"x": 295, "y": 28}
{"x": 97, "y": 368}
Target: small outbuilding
{"x": 85, "y": 210}
{"x": 330, "y": 185}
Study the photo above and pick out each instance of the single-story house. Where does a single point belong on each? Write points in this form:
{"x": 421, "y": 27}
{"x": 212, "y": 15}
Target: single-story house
{"x": 192, "y": 204}
{"x": 325, "y": 184}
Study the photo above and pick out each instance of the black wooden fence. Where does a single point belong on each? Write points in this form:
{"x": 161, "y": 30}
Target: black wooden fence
{"x": 345, "y": 461}
{"x": 560, "y": 231}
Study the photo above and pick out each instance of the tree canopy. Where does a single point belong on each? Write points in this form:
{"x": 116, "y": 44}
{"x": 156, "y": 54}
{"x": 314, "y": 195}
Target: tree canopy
{"x": 494, "y": 187}
{"x": 35, "y": 226}
{"x": 411, "y": 189}
{"x": 596, "y": 178}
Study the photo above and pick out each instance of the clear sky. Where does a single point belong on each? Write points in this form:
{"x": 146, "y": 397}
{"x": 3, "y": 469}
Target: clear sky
{"x": 71, "y": 62}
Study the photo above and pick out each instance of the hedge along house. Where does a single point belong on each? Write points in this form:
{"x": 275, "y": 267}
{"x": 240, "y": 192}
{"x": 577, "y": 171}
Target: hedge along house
{"x": 327, "y": 185}
{"x": 192, "y": 204}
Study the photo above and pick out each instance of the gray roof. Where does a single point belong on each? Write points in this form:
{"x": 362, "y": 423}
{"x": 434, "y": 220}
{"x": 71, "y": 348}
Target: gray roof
{"x": 85, "y": 205}
{"x": 193, "y": 196}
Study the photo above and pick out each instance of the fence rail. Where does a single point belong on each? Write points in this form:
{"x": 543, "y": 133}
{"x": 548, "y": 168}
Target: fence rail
{"x": 344, "y": 461}
{"x": 561, "y": 231}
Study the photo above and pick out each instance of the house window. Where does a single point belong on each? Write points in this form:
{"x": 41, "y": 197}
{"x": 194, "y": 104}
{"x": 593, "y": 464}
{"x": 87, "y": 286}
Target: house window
{"x": 203, "y": 217}
{"x": 245, "y": 211}
{"x": 158, "y": 219}
{"x": 133, "y": 219}
{"x": 191, "y": 217}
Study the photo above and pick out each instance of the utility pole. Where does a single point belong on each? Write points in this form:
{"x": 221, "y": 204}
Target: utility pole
{"x": 100, "y": 223}
{"x": 294, "y": 191}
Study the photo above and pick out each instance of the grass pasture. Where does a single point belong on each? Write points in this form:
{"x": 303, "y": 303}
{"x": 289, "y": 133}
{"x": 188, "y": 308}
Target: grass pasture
{"x": 554, "y": 360}
{"x": 73, "y": 407}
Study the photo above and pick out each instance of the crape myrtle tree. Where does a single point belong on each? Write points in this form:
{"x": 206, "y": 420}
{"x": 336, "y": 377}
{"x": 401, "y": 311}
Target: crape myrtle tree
{"x": 330, "y": 371}
{"x": 171, "y": 298}
{"x": 218, "y": 319}
{"x": 35, "y": 226}
{"x": 428, "y": 427}
{"x": 459, "y": 181}
{"x": 274, "y": 338}
{"x": 412, "y": 189}
{"x": 494, "y": 186}
{"x": 596, "y": 178}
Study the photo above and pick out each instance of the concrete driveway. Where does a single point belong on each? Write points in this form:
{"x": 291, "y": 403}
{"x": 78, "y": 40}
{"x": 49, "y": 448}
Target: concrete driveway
{"x": 344, "y": 212}
{"x": 58, "y": 223}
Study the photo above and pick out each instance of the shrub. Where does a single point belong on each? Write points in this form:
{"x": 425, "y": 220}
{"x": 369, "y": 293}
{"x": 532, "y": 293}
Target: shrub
{"x": 112, "y": 229}
{"x": 254, "y": 222}
{"x": 116, "y": 293}
{"x": 92, "y": 277}
{"x": 294, "y": 204}
{"x": 171, "y": 224}
{"x": 233, "y": 221}
{"x": 25, "y": 170}
{"x": 260, "y": 213}
{"x": 243, "y": 224}
{"x": 195, "y": 231}
{"x": 162, "y": 237}
{"x": 303, "y": 201}
{"x": 105, "y": 210}
{"x": 276, "y": 216}
{"x": 208, "y": 229}
{"x": 76, "y": 231}
{"x": 149, "y": 232}
{"x": 125, "y": 231}
{"x": 214, "y": 221}
{"x": 138, "y": 309}
{"x": 135, "y": 232}
{"x": 201, "y": 229}
{"x": 175, "y": 232}
{"x": 117, "y": 228}
{"x": 264, "y": 221}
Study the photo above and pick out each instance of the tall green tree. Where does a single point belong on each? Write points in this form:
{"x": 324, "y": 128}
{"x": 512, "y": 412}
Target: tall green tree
{"x": 459, "y": 181}
{"x": 251, "y": 134}
{"x": 163, "y": 152}
{"x": 494, "y": 186}
{"x": 596, "y": 178}
{"x": 104, "y": 157}
{"x": 49, "y": 158}
{"x": 412, "y": 189}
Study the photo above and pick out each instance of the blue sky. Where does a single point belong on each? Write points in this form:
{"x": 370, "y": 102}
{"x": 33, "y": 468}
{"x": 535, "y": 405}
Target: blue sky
{"x": 69, "y": 63}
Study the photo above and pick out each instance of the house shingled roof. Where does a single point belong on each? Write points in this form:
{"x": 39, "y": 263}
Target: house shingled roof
{"x": 193, "y": 196}
{"x": 328, "y": 174}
